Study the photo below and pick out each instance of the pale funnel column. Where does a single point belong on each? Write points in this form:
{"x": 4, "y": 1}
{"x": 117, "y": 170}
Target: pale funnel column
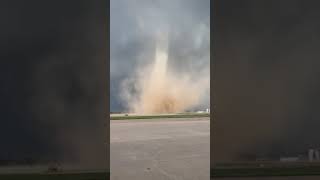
{"x": 155, "y": 91}
{"x": 161, "y": 58}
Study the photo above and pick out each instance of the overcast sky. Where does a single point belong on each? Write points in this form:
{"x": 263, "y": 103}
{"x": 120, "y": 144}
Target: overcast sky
{"x": 132, "y": 28}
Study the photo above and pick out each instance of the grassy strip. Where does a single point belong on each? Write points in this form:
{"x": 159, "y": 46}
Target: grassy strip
{"x": 270, "y": 171}
{"x": 75, "y": 176}
{"x": 159, "y": 116}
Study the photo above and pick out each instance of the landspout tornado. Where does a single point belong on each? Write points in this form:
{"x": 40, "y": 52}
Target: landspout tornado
{"x": 159, "y": 89}
{"x": 161, "y": 60}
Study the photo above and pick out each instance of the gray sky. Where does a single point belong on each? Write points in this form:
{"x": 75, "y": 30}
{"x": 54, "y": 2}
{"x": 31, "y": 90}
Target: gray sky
{"x": 132, "y": 27}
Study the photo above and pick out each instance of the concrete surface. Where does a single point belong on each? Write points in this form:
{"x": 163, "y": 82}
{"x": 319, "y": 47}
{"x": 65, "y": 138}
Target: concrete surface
{"x": 160, "y": 149}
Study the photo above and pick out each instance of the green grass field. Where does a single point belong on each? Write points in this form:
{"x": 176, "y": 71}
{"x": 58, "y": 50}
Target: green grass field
{"x": 186, "y": 115}
{"x": 75, "y": 176}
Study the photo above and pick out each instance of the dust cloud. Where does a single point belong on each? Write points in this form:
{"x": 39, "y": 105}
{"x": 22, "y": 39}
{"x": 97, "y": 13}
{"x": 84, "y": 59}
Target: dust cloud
{"x": 156, "y": 88}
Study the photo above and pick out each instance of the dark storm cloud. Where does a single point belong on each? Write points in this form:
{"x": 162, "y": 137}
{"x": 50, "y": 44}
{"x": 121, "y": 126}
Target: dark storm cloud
{"x": 133, "y": 26}
{"x": 53, "y": 77}
{"x": 267, "y": 78}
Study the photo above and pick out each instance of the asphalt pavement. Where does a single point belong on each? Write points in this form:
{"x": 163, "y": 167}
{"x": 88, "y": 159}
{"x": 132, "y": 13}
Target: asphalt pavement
{"x": 160, "y": 149}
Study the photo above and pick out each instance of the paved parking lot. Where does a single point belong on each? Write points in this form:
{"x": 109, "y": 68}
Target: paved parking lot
{"x": 160, "y": 149}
